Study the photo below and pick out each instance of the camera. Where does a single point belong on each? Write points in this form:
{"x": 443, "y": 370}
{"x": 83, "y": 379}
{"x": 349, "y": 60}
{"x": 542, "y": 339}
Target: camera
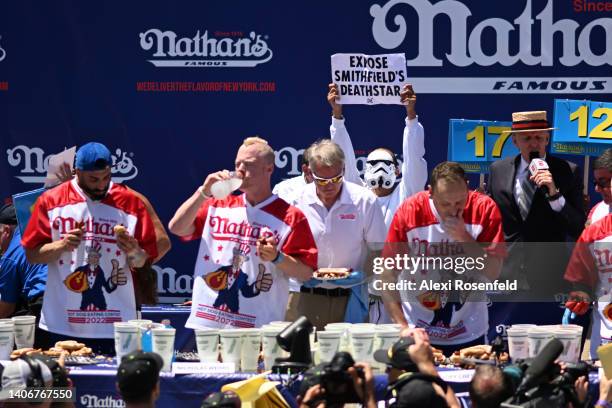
{"x": 335, "y": 379}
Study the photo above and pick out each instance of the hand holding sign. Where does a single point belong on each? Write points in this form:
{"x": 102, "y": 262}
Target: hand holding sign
{"x": 333, "y": 98}
{"x": 264, "y": 279}
{"x": 408, "y": 98}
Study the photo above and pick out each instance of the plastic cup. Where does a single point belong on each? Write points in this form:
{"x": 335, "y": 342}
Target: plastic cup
{"x": 271, "y": 349}
{"x": 537, "y": 339}
{"x": 231, "y": 346}
{"x": 207, "y": 341}
{"x": 518, "y": 342}
{"x": 329, "y": 344}
{"x": 222, "y": 188}
{"x": 126, "y": 339}
{"x": 384, "y": 339}
{"x": 570, "y": 352}
{"x": 362, "y": 344}
{"x": 345, "y": 344}
{"x": 163, "y": 344}
{"x": 251, "y": 345}
{"x": 7, "y": 340}
{"x": 24, "y": 331}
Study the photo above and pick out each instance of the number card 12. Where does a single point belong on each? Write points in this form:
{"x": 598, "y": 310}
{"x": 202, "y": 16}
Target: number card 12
{"x": 477, "y": 143}
{"x": 582, "y": 127}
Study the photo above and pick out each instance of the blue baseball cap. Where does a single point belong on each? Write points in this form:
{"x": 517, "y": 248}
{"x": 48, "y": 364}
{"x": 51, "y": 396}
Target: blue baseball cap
{"x": 93, "y": 156}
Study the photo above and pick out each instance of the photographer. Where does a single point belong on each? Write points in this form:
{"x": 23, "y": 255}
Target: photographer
{"x": 412, "y": 375}
{"x": 489, "y": 387}
{"x": 36, "y": 371}
{"x": 325, "y": 385}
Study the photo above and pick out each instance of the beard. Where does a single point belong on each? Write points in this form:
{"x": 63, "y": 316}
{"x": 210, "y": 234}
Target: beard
{"x": 95, "y": 195}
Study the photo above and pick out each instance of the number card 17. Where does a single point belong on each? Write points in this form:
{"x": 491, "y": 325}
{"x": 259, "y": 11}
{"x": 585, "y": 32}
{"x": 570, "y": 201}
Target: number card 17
{"x": 582, "y": 127}
{"x": 477, "y": 143}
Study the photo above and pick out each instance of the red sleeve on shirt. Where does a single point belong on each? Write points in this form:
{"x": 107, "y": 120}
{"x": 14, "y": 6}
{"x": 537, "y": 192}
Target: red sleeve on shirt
{"x": 300, "y": 243}
{"x": 199, "y": 221}
{"x": 491, "y": 221}
{"x": 581, "y": 267}
{"x": 145, "y": 231}
{"x": 38, "y": 230}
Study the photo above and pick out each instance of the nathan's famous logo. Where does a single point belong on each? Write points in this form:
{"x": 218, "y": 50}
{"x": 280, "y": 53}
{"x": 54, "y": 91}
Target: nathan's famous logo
{"x": 33, "y": 162}
{"x": 223, "y": 229}
{"x": 512, "y": 39}
{"x": 290, "y": 159}
{"x": 88, "y": 225}
{"x": 2, "y": 52}
{"x": 93, "y": 401}
{"x": 204, "y": 49}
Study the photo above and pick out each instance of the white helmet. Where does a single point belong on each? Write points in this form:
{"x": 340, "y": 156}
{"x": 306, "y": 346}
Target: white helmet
{"x": 380, "y": 169}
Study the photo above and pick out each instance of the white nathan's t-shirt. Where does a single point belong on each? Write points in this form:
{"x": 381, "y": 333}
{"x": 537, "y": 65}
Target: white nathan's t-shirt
{"x": 91, "y": 287}
{"x": 591, "y": 265}
{"x": 230, "y": 287}
{"x": 417, "y": 223}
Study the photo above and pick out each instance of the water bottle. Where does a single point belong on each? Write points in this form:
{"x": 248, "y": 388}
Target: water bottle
{"x": 222, "y": 188}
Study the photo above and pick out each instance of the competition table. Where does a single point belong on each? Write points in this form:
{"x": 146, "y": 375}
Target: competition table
{"x": 95, "y": 386}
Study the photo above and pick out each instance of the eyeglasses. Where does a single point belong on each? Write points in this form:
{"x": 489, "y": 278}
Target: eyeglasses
{"x": 320, "y": 181}
{"x": 601, "y": 183}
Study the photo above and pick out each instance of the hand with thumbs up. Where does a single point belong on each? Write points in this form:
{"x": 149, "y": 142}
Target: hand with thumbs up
{"x": 264, "y": 279}
{"x": 118, "y": 277}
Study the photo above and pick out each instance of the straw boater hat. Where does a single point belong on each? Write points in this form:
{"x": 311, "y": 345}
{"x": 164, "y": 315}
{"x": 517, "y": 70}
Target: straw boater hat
{"x": 534, "y": 121}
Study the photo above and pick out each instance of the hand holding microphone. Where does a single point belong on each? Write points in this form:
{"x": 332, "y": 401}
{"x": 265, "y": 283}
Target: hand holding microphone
{"x": 541, "y": 176}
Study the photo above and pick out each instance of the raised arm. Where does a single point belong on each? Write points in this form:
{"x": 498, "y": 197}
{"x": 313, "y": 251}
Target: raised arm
{"x": 340, "y": 135}
{"x": 414, "y": 166}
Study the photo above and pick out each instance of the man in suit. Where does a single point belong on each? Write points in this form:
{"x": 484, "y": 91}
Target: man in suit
{"x": 544, "y": 209}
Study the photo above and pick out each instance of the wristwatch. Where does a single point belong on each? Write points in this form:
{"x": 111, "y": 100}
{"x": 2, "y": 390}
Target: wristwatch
{"x": 279, "y": 258}
{"x": 555, "y": 196}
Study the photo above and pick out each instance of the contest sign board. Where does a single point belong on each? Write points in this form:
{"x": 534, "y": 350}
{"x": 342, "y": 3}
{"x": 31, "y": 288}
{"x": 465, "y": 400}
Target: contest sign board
{"x": 369, "y": 79}
{"x": 581, "y": 127}
{"x": 475, "y": 144}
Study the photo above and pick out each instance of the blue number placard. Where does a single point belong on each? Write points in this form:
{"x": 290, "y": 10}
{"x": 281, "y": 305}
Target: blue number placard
{"x": 477, "y": 143}
{"x": 24, "y": 203}
{"x": 581, "y": 127}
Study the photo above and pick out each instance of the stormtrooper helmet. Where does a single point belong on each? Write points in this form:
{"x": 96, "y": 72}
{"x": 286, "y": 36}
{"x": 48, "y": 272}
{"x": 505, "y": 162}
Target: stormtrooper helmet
{"x": 380, "y": 169}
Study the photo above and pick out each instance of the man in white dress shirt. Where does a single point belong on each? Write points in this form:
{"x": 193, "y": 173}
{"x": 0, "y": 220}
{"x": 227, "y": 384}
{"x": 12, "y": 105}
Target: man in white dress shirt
{"x": 348, "y": 226}
{"x": 383, "y": 169}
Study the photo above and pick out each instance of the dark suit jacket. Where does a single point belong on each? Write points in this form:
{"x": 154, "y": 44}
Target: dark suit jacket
{"x": 543, "y": 263}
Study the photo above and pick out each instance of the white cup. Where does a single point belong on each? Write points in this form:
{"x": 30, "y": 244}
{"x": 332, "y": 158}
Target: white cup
{"x": 207, "y": 341}
{"x": 126, "y": 339}
{"x": 345, "y": 344}
{"x": 222, "y": 188}
{"x": 231, "y": 346}
{"x": 7, "y": 340}
{"x": 271, "y": 349}
{"x": 24, "y": 331}
{"x": 537, "y": 339}
{"x": 518, "y": 342}
{"x": 385, "y": 338}
{"x": 163, "y": 344}
{"x": 329, "y": 344}
{"x": 251, "y": 346}
{"x": 571, "y": 345}
{"x": 362, "y": 344}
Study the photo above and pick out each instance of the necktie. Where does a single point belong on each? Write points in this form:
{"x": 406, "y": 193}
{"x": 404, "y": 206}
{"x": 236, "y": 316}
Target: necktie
{"x": 525, "y": 196}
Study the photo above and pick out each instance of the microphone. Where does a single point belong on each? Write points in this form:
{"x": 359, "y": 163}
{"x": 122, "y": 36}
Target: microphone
{"x": 541, "y": 366}
{"x": 536, "y": 164}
